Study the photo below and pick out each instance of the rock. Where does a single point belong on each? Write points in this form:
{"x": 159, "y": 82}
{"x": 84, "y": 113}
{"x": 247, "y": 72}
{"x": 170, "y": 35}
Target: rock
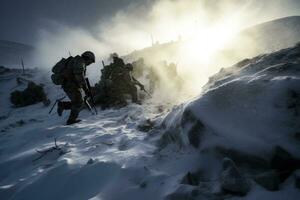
{"x": 169, "y": 137}
{"x": 243, "y": 158}
{"x": 32, "y": 94}
{"x": 293, "y": 102}
{"x": 297, "y": 136}
{"x": 143, "y": 184}
{"x": 232, "y": 180}
{"x": 3, "y": 70}
{"x": 243, "y": 63}
{"x": 284, "y": 163}
{"x": 191, "y": 179}
{"x": 268, "y": 180}
{"x": 186, "y": 192}
{"x": 146, "y": 126}
{"x": 297, "y": 179}
{"x": 90, "y": 161}
{"x": 193, "y": 126}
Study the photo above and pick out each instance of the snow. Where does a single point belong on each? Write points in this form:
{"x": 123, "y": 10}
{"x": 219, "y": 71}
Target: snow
{"x": 106, "y": 156}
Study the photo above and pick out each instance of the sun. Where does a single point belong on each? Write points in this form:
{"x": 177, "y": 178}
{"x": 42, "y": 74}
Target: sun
{"x": 205, "y": 42}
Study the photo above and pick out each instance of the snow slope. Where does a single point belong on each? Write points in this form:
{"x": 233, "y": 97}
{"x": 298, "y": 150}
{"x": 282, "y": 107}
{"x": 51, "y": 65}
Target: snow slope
{"x": 262, "y": 38}
{"x": 243, "y": 113}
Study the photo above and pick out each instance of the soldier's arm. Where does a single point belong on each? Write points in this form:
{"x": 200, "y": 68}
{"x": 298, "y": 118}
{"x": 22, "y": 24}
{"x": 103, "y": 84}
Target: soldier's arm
{"x": 79, "y": 74}
{"x": 136, "y": 82}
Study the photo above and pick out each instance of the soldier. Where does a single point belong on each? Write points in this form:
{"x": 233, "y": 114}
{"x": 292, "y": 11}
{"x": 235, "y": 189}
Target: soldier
{"x": 74, "y": 80}
{"x": 128, "y": 83}
{"x": 112, "y": 79}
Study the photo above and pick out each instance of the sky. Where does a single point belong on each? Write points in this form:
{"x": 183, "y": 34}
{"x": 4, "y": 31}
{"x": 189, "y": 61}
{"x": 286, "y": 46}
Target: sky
{"x": 21, "y": 21}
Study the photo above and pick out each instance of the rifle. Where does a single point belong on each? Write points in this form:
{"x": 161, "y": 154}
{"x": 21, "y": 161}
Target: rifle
{"x": 103, "y": 63}
{"x": 141, "y": 86}
{"x": 146, "y": 92}
{"x": 91, "y": 97}
{"x": 56, "y": 101}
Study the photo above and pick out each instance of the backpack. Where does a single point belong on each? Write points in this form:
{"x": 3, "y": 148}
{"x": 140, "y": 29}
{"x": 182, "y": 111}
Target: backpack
{"x": 58, "y": 70}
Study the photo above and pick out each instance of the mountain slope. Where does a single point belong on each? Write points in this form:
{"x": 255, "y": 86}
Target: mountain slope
{"x": 262, "y": 38}
{"x": 248, "y": 113}
{"x": 265, "y": 38}
{"x": 11, "y": 53}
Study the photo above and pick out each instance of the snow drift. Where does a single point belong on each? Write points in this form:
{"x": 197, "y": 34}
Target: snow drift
{"x": 248, "y": 112}
{"x": 254, "y": 103}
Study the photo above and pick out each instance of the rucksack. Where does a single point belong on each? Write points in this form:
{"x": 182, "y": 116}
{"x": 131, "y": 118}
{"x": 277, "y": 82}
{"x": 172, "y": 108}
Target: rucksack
{"x": 58, "y": 70}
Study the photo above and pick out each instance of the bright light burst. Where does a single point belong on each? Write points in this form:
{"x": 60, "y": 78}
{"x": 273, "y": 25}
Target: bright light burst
{"x": 205, "y": 42}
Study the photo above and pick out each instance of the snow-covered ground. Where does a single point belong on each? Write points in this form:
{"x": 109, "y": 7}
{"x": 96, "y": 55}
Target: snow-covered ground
{"x": 243, "y": 113}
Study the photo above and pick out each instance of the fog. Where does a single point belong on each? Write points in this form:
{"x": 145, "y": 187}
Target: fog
{"x": 202, "y": 29}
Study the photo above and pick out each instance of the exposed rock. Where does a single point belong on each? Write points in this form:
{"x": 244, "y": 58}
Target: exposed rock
{"x": 171, "y": 125}
{"x": 143, "y": 184}
{"x": 170, "y": 137}
{"x": 293, "y": 102}
{"x": 232, "y": 180}
{"x": 3, "y": 70}
{"x": 194, "y": 127}
{"x": 32, "y": 94}
{"x": 146, "y": 126}
{"x": 243, "y": 63}
{"x": 90, "y": 161}
{"x": 243, "y": 158}
{"x": 297, "y": 136}
{"x": 297, "y": 179}
{"x": 186, "y": 192}
{"x": 269, "y": 180}
{"x": 191, "y": 179}
{"x": 284, "y": 162}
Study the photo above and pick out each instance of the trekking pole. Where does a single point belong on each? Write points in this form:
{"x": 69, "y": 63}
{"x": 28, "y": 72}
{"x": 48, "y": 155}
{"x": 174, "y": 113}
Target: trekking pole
{"x": 88, "y": 105}
{"x": 91, "y": 95}
{"x": 56, "y": 101}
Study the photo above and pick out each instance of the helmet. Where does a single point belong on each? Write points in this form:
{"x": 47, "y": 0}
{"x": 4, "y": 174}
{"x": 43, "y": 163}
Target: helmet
{"x": 89, "y": 56}
{"x": 114, "y": 55}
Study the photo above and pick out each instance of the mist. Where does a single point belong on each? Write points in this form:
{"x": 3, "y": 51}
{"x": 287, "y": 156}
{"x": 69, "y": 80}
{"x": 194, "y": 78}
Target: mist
{"x": 201, "y": 29}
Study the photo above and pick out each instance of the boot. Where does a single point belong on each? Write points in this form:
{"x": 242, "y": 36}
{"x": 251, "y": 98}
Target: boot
{"x": 69, "y": 122}
{"x": 73, "y": 117}
{"x": 63, "y": 105}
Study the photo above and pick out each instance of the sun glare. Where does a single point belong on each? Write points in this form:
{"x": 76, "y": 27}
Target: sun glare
{"x": 205, "y": 42}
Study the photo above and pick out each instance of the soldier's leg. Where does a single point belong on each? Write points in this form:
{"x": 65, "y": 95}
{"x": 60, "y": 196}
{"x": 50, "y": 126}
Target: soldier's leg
{"x": 117, "y": 96}
{"x": 76, "y": 104}
{"x": 133, "y": 93}
{"x": 64, "y": 105}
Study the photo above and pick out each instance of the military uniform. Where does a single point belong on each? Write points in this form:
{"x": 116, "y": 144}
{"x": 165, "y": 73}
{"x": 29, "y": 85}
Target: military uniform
{"x": 73, "y": 82}
{"x": 115, "y": 82}
{"x": 128, "y": 85}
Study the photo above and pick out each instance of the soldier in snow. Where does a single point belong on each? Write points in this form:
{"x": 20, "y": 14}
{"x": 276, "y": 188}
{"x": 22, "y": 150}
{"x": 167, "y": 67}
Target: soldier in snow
{"x": 70, "y": 74}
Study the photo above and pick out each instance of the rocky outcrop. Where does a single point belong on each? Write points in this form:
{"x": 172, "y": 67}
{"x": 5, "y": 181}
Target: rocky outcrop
{"x": 268, "y": 180}
{"x": 232, "y": 180}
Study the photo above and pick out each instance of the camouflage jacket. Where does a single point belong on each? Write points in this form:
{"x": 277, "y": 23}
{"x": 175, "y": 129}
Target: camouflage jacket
{"x": 76, "y": 71}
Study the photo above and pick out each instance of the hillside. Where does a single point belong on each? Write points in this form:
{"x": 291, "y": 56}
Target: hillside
{"x": 262, "y": 38}
{"x": 11, "y": 53}
{"x": 265, "y": 38}
{"x": 239, "y": 139}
